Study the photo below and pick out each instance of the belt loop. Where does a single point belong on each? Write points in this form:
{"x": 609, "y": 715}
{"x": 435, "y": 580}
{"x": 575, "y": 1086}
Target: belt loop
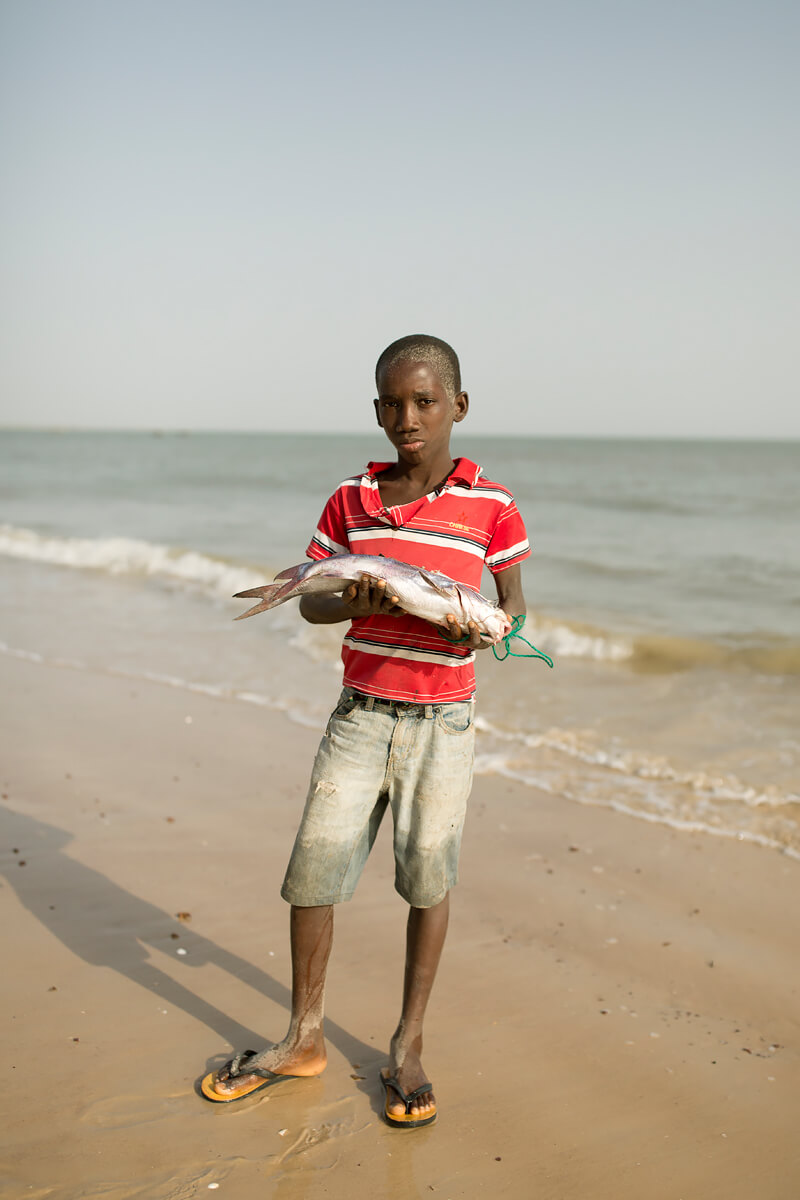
{"x": 428, "y": 712}
{"x": 368, "y": 707}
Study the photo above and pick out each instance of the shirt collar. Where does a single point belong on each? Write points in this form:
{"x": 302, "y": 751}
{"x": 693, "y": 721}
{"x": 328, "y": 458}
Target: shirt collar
{"x": 464, "y": 471}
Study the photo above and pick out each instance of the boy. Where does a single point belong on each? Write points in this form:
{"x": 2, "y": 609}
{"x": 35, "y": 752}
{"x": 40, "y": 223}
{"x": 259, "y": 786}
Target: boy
{"x": 402, "y": 732}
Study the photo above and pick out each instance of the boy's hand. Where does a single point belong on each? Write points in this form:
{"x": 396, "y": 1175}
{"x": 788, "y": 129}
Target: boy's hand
{"x": 454, "y": 632}
{"x": 368, "y": 598}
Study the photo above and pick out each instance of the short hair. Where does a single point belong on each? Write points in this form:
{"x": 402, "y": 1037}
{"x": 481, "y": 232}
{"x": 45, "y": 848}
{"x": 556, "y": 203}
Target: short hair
{"x": 423, "y": 347}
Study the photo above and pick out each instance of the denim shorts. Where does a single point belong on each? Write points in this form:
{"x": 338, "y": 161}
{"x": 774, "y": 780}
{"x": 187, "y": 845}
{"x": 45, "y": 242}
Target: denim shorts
{"x": 414, "y": 758}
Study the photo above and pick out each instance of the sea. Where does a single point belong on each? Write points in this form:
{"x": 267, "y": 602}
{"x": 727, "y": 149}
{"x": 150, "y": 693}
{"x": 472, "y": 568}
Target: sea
{"x": 664, "y": 583}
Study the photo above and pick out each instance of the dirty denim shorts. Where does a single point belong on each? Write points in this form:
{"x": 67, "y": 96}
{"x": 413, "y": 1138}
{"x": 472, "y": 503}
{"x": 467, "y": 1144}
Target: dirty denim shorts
{"x": 416, "y": 758}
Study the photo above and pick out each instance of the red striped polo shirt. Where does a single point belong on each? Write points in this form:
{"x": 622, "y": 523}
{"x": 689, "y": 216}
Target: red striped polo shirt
{"x": 467, "y": 522}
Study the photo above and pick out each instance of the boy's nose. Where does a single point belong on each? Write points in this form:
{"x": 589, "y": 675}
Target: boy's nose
{"x": 408, "y": 418}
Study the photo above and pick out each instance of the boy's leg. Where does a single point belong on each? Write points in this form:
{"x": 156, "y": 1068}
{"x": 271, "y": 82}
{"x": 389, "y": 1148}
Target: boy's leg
{"x": 427, "y": 928}
{"x": 302, "y": 1051}
{"x": 340, "y": 821}
{"x": 429, "y": 796}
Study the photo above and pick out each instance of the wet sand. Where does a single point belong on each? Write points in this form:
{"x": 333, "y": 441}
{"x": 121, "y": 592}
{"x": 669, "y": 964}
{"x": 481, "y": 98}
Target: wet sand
{"x": 616, "y": 1017}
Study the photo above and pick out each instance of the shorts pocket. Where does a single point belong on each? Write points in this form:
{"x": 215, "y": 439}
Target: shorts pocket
{"x": 344, "y": 711}
{"x": 455, "y": 718}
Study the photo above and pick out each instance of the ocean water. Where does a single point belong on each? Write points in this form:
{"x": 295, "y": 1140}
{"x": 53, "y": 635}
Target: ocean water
{"x": 665, "y": 582}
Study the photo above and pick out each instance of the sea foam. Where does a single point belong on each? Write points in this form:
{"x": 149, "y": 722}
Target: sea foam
{"x": 130, "y": 556}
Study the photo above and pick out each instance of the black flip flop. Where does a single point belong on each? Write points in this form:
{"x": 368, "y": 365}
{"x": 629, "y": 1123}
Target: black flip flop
{"x": 235, "y": 1067}
{"x": 408, "y": 1120}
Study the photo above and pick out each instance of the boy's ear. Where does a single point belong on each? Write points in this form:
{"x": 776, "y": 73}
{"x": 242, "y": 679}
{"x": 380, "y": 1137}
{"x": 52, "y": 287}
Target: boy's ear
{"x": 377, "y": 404}
{"x": 461, "y": 405}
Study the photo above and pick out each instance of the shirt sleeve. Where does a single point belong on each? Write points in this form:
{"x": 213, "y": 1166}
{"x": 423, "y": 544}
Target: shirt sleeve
{"x": 509, "y": 543}
{"x": 331, "y": 533}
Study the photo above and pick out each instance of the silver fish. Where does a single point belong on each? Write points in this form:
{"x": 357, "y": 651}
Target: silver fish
{"x": 426, "y": 594}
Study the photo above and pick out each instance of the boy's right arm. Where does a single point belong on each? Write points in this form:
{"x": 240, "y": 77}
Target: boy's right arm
{"x": 367, "y": 598}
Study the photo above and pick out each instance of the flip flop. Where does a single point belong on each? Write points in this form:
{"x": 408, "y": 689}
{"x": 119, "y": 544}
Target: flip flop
{"x": 238, "y": 1066}
{"x": 407, "y": 1120}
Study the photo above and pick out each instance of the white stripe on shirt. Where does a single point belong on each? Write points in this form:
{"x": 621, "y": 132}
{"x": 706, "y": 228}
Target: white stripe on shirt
{"x": 421, "y": 537}
{"x": 504, "y": 555}
{"x": 443, "y": 659}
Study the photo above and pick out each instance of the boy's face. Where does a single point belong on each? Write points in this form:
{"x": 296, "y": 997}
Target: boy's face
{"x": 416, "y": 412}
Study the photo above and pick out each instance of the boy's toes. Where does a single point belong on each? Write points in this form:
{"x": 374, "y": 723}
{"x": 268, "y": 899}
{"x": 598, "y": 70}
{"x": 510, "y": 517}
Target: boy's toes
{"x": 396, "y": 1106}
{"x": 224, "y": 1083}
{"x": 420, "y": 1107}
{"x": 423, "y": 1104}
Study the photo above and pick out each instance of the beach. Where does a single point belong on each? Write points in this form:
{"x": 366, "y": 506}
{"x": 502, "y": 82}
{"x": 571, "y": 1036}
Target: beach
{"x": 616, "y": 1013}
{"x": 202, "y": 259}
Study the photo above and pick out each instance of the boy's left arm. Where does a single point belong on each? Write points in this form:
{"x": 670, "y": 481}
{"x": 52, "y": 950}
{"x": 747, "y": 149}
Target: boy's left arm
{"x": 510, "y": 598}
{"x": 509, "y": 591}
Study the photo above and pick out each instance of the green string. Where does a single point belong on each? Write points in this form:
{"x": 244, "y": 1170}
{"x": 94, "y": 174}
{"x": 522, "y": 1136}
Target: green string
{"x": 514, "y": 632}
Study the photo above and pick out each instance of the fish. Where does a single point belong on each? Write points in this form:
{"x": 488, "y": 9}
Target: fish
{"x": 422, "y": 593}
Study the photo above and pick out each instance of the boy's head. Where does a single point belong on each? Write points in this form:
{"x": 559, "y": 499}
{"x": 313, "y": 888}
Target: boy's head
{"x": 420, "y": 398}
{"x": 423, "y": 347}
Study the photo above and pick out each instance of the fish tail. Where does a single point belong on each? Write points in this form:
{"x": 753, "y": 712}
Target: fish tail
{"x": 270, "y": 596}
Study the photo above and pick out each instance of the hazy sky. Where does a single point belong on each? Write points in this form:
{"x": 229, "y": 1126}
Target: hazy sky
{"x": 216, "y": 214}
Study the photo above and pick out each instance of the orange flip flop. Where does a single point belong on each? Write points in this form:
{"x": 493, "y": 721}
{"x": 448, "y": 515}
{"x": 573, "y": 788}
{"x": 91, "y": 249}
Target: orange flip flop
{"x": 408, "y": 1120}
{"x": 238, "y": 1066}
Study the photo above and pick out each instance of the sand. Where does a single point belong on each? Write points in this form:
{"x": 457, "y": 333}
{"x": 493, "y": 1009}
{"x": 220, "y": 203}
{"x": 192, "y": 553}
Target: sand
{"x": 616, "y": 1014}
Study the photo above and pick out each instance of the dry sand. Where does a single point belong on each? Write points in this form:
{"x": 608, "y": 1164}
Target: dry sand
{"x": 616, "y": 1014}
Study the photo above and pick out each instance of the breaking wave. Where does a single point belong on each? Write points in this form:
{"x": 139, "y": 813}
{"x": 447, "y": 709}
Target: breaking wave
{"x": 769, "y": 655}
{"x": 130, "y": 556}
{"x": 121, "y": 556}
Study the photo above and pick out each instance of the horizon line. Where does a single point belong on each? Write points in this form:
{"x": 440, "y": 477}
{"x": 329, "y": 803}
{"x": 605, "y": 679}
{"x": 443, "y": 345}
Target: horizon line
{"x": 179, "y": 431}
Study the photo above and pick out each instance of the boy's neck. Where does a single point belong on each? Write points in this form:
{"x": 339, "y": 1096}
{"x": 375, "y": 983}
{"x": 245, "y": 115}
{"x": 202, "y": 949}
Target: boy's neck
{"x": 405, "y": 482}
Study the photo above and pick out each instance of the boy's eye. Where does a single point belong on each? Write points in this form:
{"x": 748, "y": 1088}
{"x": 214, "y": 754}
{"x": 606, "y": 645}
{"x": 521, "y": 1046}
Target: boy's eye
{"x": 423, "y": 400}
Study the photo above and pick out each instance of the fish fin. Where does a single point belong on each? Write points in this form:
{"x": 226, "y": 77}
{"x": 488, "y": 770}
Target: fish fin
{"x": 290, "y": 572}
{"x": 443, "y": 591}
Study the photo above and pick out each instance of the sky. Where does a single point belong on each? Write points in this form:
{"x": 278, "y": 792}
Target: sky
{"x": 215, "y": 215}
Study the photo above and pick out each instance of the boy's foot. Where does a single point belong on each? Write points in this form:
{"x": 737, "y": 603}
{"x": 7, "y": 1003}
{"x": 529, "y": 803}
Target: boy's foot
{"x": 410, "y": 1077}
{"x": 401, "y": 1109}
{"x": 233, "y": 1081}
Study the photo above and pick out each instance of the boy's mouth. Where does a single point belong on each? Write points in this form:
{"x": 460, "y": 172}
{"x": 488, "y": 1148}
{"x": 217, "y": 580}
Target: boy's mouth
{"x": 416, "y": 445}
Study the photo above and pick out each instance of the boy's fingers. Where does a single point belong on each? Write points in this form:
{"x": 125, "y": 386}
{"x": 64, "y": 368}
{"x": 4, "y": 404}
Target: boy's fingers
{"x": 379, "y": 597}
{"x": 370, "y": 593}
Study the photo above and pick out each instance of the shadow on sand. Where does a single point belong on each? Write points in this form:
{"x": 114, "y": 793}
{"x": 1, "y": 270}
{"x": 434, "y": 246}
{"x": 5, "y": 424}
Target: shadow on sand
{"x": 109, "y": 927}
